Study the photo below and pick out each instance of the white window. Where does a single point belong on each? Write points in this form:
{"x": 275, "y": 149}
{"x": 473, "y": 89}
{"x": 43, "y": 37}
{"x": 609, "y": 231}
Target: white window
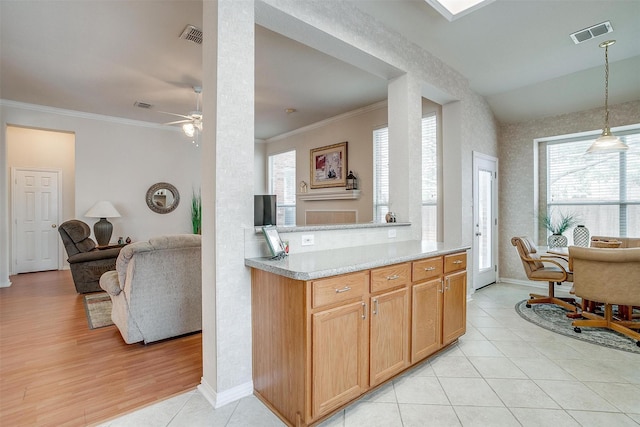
{"x": 282, "y": 183}
{"x": 603, "y": 190}
{"x": 380, "y": 174}
{"x": 429, "y": 176}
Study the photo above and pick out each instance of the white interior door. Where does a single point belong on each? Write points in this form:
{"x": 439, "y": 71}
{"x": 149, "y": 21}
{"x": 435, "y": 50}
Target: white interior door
{"x": 35, "y": 220}
{"x": 485, "y": 217}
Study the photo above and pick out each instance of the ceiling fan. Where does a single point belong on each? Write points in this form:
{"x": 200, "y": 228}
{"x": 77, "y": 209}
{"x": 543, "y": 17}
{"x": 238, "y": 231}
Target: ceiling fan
{"x": 192, "y": 121}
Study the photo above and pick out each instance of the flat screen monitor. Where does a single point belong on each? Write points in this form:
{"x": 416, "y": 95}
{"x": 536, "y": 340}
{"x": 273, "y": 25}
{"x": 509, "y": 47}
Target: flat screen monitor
{"x": 264, "y": 210}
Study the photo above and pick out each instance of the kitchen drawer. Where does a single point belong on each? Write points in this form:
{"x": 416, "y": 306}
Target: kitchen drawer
{"x": 337, "y": 289}
{"x": 390, "y": 277}
{"x": 455, "y": 262}
{"x": 427, "y": 269}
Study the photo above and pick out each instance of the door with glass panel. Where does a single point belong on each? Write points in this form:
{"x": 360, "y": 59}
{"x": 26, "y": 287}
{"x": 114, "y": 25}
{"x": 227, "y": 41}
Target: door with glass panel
{"x": 485, "y": 220}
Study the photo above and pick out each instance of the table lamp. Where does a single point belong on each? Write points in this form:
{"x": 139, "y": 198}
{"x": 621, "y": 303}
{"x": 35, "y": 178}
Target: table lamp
{"x": 103, "y": 228}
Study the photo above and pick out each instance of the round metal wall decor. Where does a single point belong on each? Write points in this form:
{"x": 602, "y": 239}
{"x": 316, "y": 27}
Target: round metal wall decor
{"x": 162, "y": 197}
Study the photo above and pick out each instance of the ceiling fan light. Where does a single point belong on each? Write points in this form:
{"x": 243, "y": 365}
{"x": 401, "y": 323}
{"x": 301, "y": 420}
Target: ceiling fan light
{"x": 189, "y": 129}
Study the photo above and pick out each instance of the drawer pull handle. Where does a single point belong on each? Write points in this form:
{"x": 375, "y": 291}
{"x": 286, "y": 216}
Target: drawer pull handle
{"x": 345, "y": 289}
{"x": 364, "y": 310}
{"x": 375, "y": 306}
{"x": 448, "y": 286}
{"x": 457, "y": 261}
{"x": 429, "y": 268}
{"x": 394, "y": 277}
{"x": 441, "y": 290}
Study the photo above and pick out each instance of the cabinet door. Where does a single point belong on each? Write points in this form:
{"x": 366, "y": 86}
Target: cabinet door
{"x": 426, "y": 332}
{"x": 454, "y": 316}
{"x": 339, "y": 356}
{"x": 389, "y": 334}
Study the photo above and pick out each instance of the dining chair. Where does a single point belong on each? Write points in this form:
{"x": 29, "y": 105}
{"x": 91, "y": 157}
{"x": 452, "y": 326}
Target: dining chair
{"x": 546, "y": 268}
{"x": 611, "y": 277}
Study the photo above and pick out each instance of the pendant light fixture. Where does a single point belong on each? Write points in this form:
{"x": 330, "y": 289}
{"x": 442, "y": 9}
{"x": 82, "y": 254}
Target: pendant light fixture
{"x": 607, "y": 142}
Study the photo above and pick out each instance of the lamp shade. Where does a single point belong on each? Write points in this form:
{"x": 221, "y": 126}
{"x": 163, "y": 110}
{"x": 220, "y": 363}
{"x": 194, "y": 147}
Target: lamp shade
{"x": 102, "y": 209}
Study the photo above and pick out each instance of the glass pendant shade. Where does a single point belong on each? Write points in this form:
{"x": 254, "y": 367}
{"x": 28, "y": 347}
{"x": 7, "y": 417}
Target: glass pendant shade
{"x": 607, "y": 142}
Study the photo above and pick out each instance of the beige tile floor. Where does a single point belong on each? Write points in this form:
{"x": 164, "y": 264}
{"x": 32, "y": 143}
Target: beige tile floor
{"x": 503, "y": 372}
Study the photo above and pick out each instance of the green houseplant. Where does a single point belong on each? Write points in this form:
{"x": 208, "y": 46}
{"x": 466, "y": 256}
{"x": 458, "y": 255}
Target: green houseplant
{"x": 557, "y": 225}
{"x": 196, "y": 212}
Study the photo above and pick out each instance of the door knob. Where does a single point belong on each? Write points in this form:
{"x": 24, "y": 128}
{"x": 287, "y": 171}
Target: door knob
{"x": 53, "y": 225}
{"x": 478, "y": 234}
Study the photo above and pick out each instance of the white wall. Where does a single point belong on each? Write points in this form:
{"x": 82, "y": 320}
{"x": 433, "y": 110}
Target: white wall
{"x": 356, "y": 128}
{"x": 118, "y": 160}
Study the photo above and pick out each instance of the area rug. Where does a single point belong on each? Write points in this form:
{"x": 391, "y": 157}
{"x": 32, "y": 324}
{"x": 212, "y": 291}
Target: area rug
{"x": 98, "y": 309}
{"x": 554, "y": 318}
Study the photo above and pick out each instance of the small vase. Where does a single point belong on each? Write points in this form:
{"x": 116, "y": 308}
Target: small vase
{"x": 581, "y": 236}
{"x": 557, "y": 241}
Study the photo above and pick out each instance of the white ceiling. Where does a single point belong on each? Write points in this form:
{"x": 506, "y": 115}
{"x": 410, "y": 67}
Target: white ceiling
{"x": 102, "y": 56}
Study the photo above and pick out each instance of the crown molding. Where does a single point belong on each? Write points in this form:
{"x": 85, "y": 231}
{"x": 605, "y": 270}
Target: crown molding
{"x": 84, "y": 115}
{"x": 330, "y": 120}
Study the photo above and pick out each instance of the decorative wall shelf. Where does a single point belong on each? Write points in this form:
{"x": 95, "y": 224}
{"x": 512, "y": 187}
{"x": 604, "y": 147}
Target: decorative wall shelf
{"x": 330, "y": 195}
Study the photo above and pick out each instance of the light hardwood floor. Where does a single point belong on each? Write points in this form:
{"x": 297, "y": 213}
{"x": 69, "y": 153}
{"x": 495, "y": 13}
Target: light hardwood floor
{"x": 55, "y": 371}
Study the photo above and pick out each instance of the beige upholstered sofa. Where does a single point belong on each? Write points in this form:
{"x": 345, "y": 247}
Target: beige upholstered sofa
{"x": 156, "y": 288}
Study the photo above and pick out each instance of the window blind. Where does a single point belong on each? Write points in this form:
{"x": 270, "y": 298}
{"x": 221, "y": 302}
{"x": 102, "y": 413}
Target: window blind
{"x": 603, "y": 189}
{"x": 282, "y": 183}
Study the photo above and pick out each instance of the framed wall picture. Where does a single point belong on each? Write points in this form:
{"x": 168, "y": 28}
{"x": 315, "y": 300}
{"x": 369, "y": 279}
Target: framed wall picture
{"x": 273, "y": 240}
{"x": 329, "y": 166}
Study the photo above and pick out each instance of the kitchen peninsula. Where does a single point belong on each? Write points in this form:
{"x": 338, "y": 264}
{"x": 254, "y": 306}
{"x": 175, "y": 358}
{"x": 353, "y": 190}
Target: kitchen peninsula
{"x": 328, "y": 326}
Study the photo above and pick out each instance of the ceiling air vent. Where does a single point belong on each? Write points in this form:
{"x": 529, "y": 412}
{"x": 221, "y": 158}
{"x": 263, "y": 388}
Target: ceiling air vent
{"x": 591, "y": 32}
{"x": 141, "y": 104}
{"x": 193, "y": 34}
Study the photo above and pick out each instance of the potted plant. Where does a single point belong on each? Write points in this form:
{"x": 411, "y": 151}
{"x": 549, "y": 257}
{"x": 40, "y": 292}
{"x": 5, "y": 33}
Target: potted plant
{"x": 558, "y": 226}
{"x": 196, "y": 212}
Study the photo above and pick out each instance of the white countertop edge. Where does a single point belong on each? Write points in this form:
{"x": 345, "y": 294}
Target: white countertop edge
{"x": 302, "y": 266}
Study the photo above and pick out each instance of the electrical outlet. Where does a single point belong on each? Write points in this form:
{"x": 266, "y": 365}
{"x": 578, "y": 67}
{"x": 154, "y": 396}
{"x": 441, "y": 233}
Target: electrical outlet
{"x": 391, "y": 233}
{"x": 308, "y": 240}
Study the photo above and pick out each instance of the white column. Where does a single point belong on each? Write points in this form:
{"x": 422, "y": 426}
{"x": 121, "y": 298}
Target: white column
{"x": 452, "y": 172}
{"x": 227, "y": 197}
{"x": 405, "y": 150}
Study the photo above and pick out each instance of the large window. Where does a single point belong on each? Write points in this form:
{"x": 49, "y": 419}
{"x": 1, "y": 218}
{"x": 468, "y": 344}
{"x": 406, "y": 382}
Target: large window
{"x": 602, "y": 189}
{"x": 380, "y": 174}
{"x": 429, "y": 176}
{"x": 282, "y": 183}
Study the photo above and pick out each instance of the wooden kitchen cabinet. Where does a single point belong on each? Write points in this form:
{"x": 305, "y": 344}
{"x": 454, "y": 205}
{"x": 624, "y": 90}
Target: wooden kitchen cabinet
{"x": 339, "y": 345}
{"x": 389, "y": 352}
{"x": 320, "y": 344}
{"x": 426, "y": 324}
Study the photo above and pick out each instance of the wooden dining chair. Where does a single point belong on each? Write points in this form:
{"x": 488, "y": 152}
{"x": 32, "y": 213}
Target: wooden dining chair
{"x": 547, "y": 268}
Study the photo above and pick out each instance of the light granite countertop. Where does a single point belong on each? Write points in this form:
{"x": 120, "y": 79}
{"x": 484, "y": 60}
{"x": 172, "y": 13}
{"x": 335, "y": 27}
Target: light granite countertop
{"x": 315, "y": 265}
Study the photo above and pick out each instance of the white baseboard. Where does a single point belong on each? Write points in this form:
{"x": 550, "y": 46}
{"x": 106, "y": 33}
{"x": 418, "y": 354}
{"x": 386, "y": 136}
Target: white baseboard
{"x": 5, "y": 284}
{"x": 218, "y": 399}
{"x": 535, "y": 284}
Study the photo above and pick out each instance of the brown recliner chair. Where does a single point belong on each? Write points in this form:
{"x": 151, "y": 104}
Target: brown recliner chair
{"x": 87, "y": 262}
